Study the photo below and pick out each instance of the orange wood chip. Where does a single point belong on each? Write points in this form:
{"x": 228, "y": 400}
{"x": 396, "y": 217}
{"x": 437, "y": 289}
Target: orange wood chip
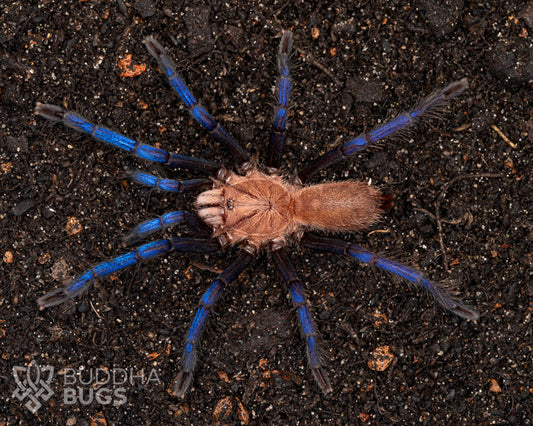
{"x": 381, "y": 358}
{"x": 73, "y": 226}
{"x": 128, "y": 68}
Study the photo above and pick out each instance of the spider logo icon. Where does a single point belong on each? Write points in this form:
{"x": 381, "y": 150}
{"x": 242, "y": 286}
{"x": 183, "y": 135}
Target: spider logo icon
{"x": 33, "y": 383}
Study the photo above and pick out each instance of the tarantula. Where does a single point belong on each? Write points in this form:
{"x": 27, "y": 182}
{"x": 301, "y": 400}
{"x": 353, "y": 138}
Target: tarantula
{"x": 255, "y": 208}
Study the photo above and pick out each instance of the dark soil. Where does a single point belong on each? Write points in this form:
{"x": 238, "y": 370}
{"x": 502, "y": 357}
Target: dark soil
{"x": 355, "y": 64}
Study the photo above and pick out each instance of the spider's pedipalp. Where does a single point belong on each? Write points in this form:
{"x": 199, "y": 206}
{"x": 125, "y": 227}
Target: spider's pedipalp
{"x": 154, "y": 225}
{"x": 169, "y": 185}
{"x": 165, "y": 221}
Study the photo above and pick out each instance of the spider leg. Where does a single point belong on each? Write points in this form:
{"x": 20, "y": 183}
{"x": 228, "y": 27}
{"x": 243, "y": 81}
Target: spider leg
{"x": 102, "y": 134}
{"x": 167, "y": 220}
{"x": 168, "y": 185}
{"x": 210, "y": 297}
{"x": 428, "y": 106}
{"x": 409, "y": 274}
{"x": 141, "y": 253}
{"x": 277, "y": 137}
{"x": 287, "y": 271}
{"x": 197, "y": 111}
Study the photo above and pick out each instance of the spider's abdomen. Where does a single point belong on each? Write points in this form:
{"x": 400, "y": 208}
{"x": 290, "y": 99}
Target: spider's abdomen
{"x": 256, "y": 208}
{"x": 337, "y": 206}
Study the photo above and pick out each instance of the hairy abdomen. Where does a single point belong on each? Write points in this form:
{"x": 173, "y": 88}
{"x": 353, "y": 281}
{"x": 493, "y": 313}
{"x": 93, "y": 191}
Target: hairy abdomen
{"x": 338, "y": 206}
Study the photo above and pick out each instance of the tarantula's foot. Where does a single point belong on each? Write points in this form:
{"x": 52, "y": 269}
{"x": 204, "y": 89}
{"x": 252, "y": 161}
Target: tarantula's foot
{"x": 448, "y": 301}
{"x": 51, "y": 112}
{"x": 52, "y": 298}
{"x": 322, "y": 379}
{"x": 182, "y": 383}
{"x": 456, "y": 88}
{"x": 460, "y": 309}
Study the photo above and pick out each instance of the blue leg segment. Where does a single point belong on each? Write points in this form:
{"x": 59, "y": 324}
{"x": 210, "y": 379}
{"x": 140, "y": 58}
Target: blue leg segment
{"x": 140, "y": 254}
{"x": 197, "y": 111}
{"x": 277, "y": 137}
{"x": 207, "y": 302}
{"x": 287, "y": 271}
{"x": 405, "y": 272}
{"x": 165, "y": 221}
{"x": 168, "y": 185}
{"x": 431, "y": 105}
{"x": 102, "y": 134}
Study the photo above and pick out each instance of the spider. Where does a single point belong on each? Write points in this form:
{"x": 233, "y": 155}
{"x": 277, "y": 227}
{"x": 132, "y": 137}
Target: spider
{"x": 256, "y": 208}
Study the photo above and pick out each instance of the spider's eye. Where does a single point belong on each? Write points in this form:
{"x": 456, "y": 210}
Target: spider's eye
{"x": 230, "y": 204}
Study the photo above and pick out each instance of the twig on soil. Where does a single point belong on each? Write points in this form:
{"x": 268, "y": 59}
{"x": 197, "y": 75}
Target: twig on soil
{"x": 436, "y": 216}
{"x": 503, "y": 136}
{"x": 311, "y": 59}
